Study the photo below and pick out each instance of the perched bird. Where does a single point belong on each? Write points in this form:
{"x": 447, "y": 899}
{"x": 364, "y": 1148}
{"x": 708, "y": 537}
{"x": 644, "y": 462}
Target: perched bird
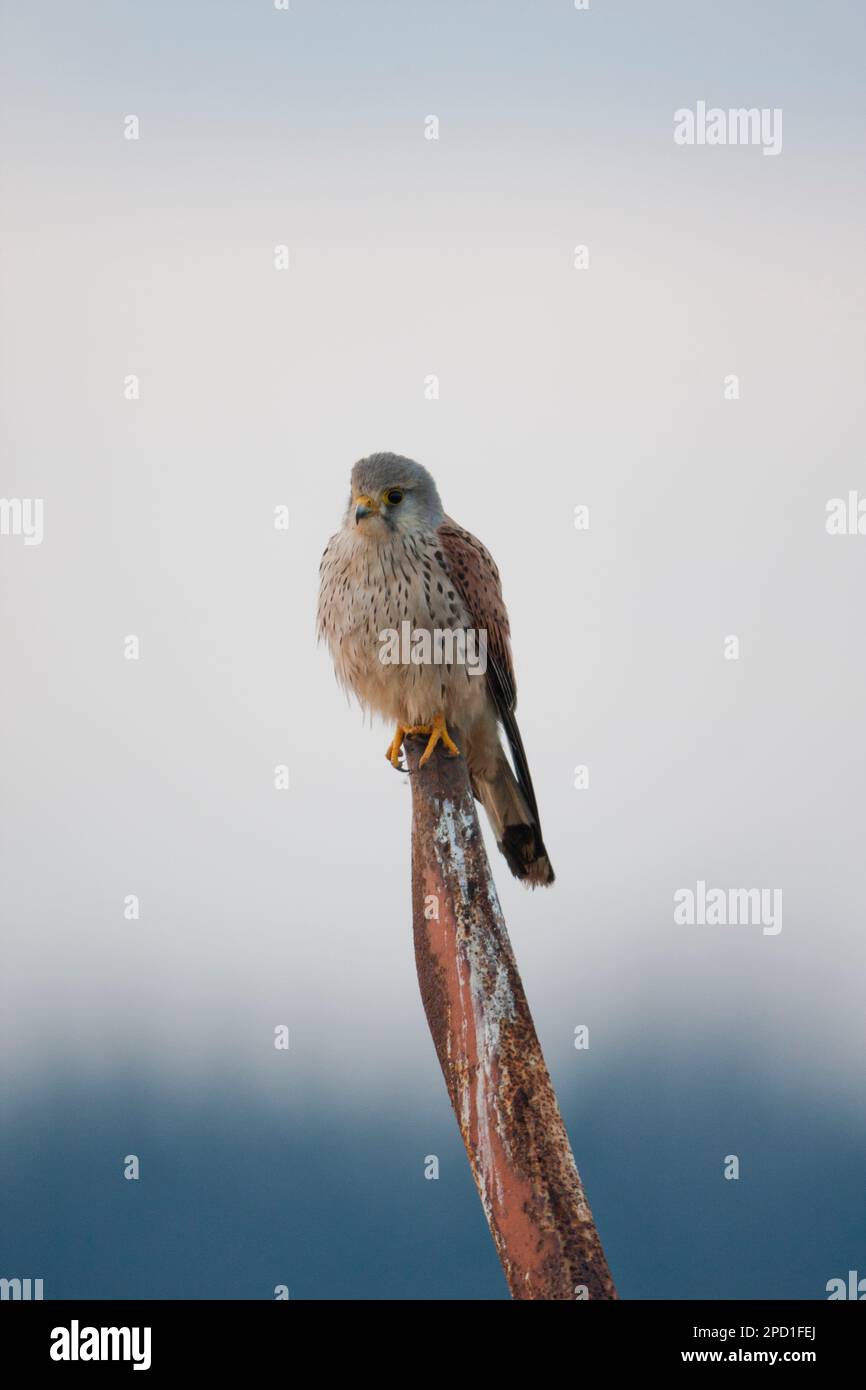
{"x": 398, "y": 560}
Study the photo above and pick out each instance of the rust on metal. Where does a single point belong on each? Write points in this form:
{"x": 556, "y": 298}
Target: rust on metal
{"x": 487, "y": 1046}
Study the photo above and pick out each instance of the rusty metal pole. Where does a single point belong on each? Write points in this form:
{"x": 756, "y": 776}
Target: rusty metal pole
{"x": 488, "y": 1050}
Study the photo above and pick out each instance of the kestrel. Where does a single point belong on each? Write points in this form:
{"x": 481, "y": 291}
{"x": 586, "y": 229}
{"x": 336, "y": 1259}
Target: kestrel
{"x": 400, "y": 565}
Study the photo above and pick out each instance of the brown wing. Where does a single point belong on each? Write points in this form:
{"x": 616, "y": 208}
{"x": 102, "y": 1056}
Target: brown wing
{"x": 474, "y": 574}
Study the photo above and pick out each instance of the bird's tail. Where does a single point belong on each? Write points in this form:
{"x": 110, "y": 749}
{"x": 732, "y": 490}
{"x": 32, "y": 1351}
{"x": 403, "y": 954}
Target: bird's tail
{"x": 513, "y": 815}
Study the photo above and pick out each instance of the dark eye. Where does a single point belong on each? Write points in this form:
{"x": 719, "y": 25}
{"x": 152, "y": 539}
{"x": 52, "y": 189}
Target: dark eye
{"x": 394, "y": 495}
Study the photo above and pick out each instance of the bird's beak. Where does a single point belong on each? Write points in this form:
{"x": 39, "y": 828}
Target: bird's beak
{"x": 364, "y": 506}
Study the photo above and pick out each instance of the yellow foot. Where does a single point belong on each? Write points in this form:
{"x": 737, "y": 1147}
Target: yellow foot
{"x": 392, "y": 752}
{"x": 438, "y": 732}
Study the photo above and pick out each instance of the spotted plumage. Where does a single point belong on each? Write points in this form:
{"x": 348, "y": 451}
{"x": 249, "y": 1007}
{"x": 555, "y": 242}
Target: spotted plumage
{"x": 398, "y": 560}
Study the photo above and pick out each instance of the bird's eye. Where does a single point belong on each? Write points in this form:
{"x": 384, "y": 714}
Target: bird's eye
{"x": 394, "y": 495}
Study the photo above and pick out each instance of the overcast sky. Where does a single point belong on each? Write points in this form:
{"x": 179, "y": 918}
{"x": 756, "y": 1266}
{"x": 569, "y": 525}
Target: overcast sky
{"x": 558, "y": 387}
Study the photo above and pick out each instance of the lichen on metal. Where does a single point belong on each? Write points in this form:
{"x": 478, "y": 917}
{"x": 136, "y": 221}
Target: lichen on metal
{"x": 489, "y": 1052}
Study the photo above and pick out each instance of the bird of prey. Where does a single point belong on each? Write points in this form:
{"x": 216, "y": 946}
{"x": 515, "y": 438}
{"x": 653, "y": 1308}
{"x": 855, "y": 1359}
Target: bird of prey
{"x": 398, "y": 560}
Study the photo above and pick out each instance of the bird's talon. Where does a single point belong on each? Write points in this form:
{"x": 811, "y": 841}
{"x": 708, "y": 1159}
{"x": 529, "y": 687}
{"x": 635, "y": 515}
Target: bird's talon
{"x": 392, "y": 752}
{"x": 438, "y": 732}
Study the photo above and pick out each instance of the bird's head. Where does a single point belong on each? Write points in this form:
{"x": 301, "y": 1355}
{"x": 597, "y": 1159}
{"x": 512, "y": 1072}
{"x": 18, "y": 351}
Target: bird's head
{"x": 391, "y": 494}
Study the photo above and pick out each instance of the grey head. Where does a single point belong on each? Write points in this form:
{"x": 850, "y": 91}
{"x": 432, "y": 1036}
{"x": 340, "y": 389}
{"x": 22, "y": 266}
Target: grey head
{"x": 389, "y": 494}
